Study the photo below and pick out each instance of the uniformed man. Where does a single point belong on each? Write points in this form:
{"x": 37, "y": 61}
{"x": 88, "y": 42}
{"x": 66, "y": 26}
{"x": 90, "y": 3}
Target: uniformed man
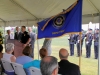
{"x": 25, "y": 39}
{"x": 78, "y": 38}
{"x": 78, "y": 44}
{"x": 71, "y": 43}
{"x": 33, "y": 38}
{"x": 96, "y": 43}
{"x": 82, "y": 40}
{"x": 88, "y": 41}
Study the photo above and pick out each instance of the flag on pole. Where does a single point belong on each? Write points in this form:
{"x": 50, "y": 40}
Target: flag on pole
{"x": 70, "y": 20}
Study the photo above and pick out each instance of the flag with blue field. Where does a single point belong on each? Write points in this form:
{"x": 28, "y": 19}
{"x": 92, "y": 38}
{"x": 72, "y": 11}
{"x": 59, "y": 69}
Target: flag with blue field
{"x": 68, "y": 21}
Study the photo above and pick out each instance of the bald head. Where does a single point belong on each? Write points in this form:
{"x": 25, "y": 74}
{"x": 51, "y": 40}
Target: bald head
{"x": 63, "y": 53}
{"x": 29, "y": 29}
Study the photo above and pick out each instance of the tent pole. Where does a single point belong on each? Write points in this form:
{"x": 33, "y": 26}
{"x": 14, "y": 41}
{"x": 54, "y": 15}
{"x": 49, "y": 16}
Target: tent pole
{"x": 4, "y": 35}
{"x": 99, "y": 49}
{"x": 38, "y": 48}
{"x": 4, "y": 28}
{"x": 38, "y": 44}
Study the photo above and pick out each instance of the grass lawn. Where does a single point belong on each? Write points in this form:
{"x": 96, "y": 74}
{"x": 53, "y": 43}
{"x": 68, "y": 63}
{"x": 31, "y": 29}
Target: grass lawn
{"x": 89, "y": 66}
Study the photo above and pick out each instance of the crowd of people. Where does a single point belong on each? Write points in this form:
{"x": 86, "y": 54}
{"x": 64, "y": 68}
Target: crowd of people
{"x": 27, "y": 38}
{"x": 79, "y": 41}
{"x": 48, "y": 64}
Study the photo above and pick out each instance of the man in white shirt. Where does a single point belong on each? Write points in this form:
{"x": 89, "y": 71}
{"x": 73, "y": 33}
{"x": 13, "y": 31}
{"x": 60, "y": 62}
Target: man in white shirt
{"x": 32, "y": 42}
{"x": 8, "y": 36}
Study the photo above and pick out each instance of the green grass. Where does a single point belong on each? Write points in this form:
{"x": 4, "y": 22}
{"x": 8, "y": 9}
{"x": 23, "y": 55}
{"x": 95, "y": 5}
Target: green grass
{"x": 89, "y": 66}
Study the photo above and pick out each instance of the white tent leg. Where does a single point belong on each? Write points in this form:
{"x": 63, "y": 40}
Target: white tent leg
{"x": 37, "y": 44}
{"x": 99, "y": 49}
{"x": 38, "y": 48}
{"x": 4, "y": 29}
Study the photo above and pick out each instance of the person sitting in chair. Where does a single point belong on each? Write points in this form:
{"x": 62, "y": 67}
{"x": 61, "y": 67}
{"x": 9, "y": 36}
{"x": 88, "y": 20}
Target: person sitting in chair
{"x": 1, "y": 49}
{"x": 9, "y": 57}
{"x": 25, "y": 58}
{"x": 36, "y": 63}
{"x": 66, "y": 67}
{"x": 8, "y": 54}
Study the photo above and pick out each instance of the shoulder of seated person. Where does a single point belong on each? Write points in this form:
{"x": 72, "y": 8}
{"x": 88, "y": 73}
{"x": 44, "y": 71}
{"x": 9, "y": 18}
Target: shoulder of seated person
{"x": 74, "y": 65}
{"x": 36, "y": 60}
{"x": 13, "y": 56}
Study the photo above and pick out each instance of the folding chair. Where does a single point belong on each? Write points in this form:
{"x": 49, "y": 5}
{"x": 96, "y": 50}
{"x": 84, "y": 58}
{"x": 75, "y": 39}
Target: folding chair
{"x": 7, "y": 65}
{"x": 1, "y": 68}
{"x": 35, "y": 71}
{"x": 18, "y": 68}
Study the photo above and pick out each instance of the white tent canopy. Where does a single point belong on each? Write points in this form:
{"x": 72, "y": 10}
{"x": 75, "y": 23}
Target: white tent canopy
{"x": 29, "y": 12}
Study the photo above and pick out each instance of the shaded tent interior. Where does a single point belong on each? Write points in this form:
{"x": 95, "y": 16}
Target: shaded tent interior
{"x": 29, "y": 12}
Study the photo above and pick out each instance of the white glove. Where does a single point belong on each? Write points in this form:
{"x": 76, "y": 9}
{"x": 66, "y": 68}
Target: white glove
{"x": 68, "y": 37}
{"x": 87, "y": 42}
{"x": 78, "y": 41}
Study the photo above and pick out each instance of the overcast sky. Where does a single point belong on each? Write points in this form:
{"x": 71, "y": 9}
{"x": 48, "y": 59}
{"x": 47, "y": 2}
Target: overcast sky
{"x": 84, "y": 26}
{"x": 92, "y": 26}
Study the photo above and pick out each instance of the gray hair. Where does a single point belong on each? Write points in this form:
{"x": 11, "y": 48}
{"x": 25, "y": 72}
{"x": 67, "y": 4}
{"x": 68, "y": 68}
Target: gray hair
{"x": 9, "y": 46}
{"x": 47, "y": 67}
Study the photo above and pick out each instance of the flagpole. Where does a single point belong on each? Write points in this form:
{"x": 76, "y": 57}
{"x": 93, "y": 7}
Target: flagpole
{"x": 99, "y": 49}
{"x": 80, "y": 34}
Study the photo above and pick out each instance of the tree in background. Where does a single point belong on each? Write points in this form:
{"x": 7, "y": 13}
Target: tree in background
{"x": 1, "y": 38}
{"x": 1, "y": 35}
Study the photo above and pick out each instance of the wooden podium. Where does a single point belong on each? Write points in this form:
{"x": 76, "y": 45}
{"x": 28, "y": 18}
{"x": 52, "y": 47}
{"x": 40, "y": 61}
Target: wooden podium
{"x": 18, "y": 47}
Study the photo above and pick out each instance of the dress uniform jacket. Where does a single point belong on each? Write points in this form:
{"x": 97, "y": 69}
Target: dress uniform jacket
{"x": 89, "y": 38}
{"x": 96, "y": 45}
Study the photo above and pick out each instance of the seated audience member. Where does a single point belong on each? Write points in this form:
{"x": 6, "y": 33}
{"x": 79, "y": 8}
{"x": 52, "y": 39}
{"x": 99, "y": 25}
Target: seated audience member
{"x": 49, "y": 66}
{"x": 36, "y": 63}
{"x": 65, "y": 67}
{"x": 25, "y": 58}
{"x": 8, "y": 56}
{"x": 1, "y": 56}
{"x": 1, "y": 49}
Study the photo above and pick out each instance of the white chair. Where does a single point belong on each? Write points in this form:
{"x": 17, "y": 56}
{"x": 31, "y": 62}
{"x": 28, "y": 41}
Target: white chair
{"x": 7, "y": 65}
{"x": 18, "y": 68}
{"x": 35, "y": 71}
